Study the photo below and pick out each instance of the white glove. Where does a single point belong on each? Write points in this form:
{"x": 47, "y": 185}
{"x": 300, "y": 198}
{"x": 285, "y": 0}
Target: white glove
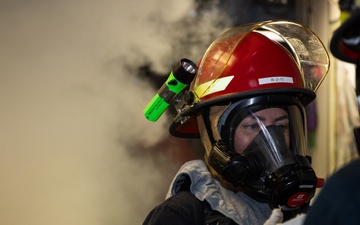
{"x": 276, "y": 217}
{"x": 298, "y": 220}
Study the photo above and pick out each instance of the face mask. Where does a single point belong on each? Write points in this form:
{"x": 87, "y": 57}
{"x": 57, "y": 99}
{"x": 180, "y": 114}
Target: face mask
{"x": 269, "y": 168}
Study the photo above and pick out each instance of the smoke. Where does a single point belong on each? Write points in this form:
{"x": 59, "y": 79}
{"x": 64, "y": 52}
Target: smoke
{"x": 75, "y": 147}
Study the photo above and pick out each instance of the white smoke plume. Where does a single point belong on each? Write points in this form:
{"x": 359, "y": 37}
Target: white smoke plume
{"x": 75, "y": 147}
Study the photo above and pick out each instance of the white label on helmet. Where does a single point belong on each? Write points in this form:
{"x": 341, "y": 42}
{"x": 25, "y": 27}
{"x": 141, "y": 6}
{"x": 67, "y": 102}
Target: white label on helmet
{"x": 270, "y": 80}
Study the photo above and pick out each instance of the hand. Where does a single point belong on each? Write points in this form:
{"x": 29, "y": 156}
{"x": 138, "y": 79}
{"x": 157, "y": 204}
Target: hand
{"x": 298, "y": 220}
{"x": 276, "y": 217}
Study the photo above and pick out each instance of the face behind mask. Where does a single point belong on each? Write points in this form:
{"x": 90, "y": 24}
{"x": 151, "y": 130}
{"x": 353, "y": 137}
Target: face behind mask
{"x": 258, "y": 145}
{"x": 269, "y": 169}
{"x": 288, "y": 179}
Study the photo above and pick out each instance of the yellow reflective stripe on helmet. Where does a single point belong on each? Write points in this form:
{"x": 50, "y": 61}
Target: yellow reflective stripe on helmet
{"x": 212, "y": 86}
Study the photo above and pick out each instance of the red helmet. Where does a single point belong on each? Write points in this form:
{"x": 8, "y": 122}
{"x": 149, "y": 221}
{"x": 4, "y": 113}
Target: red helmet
{"x": 252, "y": 60}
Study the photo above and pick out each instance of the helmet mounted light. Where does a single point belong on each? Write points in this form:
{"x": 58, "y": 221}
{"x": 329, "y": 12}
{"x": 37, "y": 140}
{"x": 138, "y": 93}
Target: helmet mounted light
{"x": 180, "y": 77}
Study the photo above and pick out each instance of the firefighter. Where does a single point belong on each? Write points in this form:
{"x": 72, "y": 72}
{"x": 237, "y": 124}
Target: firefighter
{"x": 247, "y": 105}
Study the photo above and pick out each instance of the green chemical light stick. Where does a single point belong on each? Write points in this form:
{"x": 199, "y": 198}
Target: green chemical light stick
{"x": 180, "y": 77}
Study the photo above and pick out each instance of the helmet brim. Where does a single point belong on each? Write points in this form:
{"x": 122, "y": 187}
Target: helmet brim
{"x": 189, "y": 127}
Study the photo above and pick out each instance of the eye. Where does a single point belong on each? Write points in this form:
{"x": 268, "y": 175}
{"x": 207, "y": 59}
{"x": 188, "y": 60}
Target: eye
{"x": 283, "y": 125}
{"x": 251, "y": 127}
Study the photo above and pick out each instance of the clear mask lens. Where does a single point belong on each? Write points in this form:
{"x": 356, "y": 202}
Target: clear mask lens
{"x": 272, "y": 149}
{"x": 274, "y": 134}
